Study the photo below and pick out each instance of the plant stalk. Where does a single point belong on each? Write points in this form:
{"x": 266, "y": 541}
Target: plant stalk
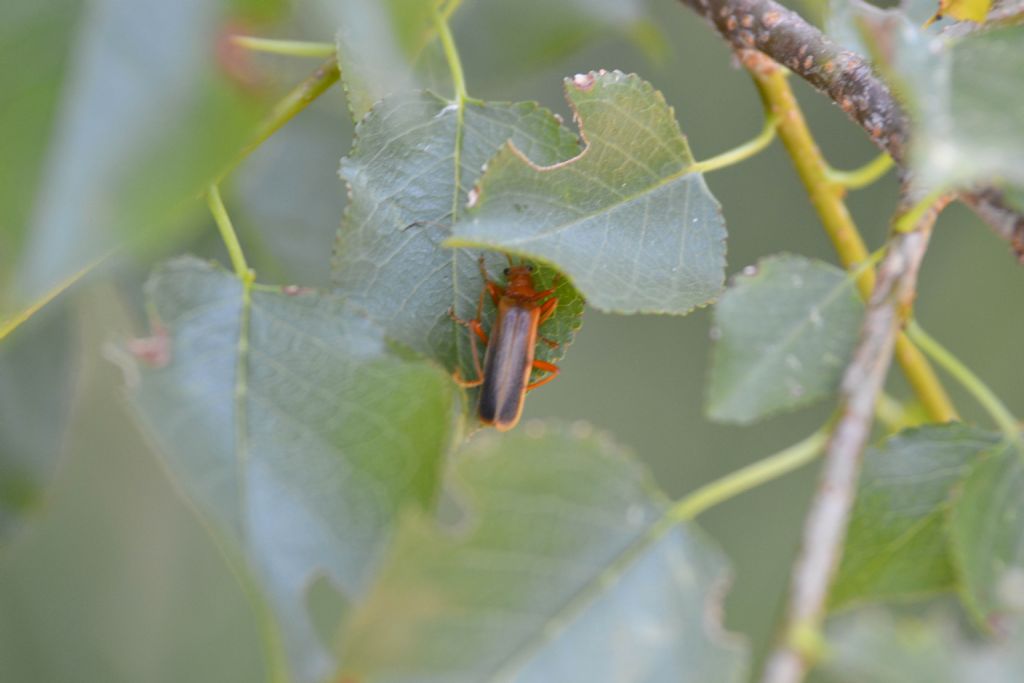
{"x": 826, "y": 522}
{"x": 827, "y": 199}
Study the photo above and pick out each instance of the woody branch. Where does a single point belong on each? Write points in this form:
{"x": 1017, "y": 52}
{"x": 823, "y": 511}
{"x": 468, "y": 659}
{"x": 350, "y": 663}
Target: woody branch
{"x": 848, "y": 80}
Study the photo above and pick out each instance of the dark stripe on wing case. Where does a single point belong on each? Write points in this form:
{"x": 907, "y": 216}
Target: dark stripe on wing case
{"x": 501, "y": 395}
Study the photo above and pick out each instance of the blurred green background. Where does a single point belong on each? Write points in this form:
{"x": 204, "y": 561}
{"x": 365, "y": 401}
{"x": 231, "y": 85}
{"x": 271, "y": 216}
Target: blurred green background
{"x": 115, "y": 579}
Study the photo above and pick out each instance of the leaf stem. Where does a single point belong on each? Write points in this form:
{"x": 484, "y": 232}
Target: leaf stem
{"x": 861, "y": 177}
{"x": 849, "y": 81}
{"x": 740, "y": 153}
{"x": 827, "y": 519}
{"x": 16, "y": 319}
{"x": 826, "y": 197}
{"x": 908, "y": 221}
{"x": 293, "y": 103}
{"x": 227, "y": 234}
{"x": 270, "y": 634}
{"x": 893, "y": 414}
{"x": 290, "y": 48}
{"x": 751, "y": 476}
{"x": 300, "y": 97}
{"x": 988, "y": 399}
{"x": 451, "y": 55}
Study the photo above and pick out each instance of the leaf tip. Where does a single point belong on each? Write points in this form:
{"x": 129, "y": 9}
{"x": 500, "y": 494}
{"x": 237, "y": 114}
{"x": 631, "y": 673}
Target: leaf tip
{"x": 585, "y": 81}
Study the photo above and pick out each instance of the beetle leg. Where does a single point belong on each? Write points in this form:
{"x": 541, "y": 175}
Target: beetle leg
{"x": 477, "y": 329}
{"x": 493, "y": 288}
{"x": 551, "y": 343}
{"x": 537, "y": 296}
{"x": 466, "y": 383}
{"x": 473, "y": 325}
{"x": 547, "y": 309}
{"x": 555, "y": 281}
{"x": 548, "y": 367}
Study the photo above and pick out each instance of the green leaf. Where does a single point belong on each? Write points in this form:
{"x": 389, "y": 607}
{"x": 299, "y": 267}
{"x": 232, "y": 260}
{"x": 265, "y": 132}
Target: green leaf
{"x": 847, "y": 19}
{"x": 406, "y": 175}
{"x": 871, "y": 646}
{"x": 986, "y": 107}
{"x": 783, "y": 332}
{"x": 287, "y": 194}
{"x": 626, "y": 221}
{"x": 36, "y": 377}
{"x": 561, "y": 568}
{"x": 122, "y": 132}
{"x": 295, "y": 430}
{"x": 965, "y": 97}
{"x": 119, "y": 581}
{"x": 897, "y": 544}
{"x": 37, "y": 35}
{"x": 987, "y": 531}
{"x": 382, "y": 46}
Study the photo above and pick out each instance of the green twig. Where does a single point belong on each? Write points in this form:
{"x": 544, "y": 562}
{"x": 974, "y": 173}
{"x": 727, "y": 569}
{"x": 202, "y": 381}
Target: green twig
{"x": 687, "y": 508}
{"x": 291, "y": 104}
{"x": 738, "y": 154}
{"x": 16, "y": 319}
{"x": 290, "y": 48}
{"x": 294, "y": 102}
{"x": 749, "y": 477}
{"x": 863, "y": 176}
{"x": 996, "y": 409}
{"x": 890, "y": 412}
{"x": 827, "y": 199}
{"x": 227, "y": 233}
{"x": 451, "y": 55}
{"x": 908, "y": 220}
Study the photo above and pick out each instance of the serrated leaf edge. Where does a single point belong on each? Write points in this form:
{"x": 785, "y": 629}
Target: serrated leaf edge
{"x": 607, "y": 579}
{"x": 799, "y": 403}
{"x": 509, "y": 149}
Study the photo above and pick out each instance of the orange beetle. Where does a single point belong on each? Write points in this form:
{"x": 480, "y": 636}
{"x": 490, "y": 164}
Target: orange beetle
{"x": 504, "y": 378}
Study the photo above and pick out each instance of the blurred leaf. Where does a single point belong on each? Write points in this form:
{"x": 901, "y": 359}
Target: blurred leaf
{"x": 559, "y": 570}
{"x": 402, "y": 174}
{"x": 897, "y": 542}
{"x": 845, "y": 20}
{"x": 842, "y": 22}
{"x": 36, "y": 378}
{"x": 381, "y": 44}
{"x": 986, "y": 107}
{"x": 287, "y": 193}
{"x": 507, "y": 40}
{"x": 119, "y": 581}
{"x": 783, "y": 333}
{"x": 36, "y": 40}
{"x": 987, "y": 531}
{"x": 151, "y": 107}
{"x": 874, "y": 647}
{"x": 965, "y": 97}
{"x": 625, "y": 220}
{"x": 294, "y": 429}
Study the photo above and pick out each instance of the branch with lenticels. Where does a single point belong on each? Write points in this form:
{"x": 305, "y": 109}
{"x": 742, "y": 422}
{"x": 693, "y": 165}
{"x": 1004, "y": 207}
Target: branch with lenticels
{"x": 846, "y": 78}
{"x": 825, "y": 524}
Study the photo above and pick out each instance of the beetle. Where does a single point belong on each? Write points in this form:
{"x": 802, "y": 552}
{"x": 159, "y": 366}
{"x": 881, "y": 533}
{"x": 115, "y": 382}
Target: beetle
{"x": 509, "y": 359}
